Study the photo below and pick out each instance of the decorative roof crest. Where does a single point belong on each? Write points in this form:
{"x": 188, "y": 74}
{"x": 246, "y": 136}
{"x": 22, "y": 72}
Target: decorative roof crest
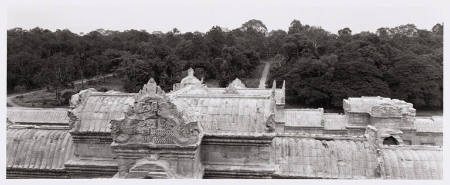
{"x": 190, "y": 79}
{"x": 154, "y": 120}
{"x": 237, "y": 83}
{"x": 190, "y": 72}
{"x": 151, "y": 89}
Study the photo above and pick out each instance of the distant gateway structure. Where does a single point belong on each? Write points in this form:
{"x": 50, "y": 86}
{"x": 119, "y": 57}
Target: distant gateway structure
{"x": 235, "y": 132}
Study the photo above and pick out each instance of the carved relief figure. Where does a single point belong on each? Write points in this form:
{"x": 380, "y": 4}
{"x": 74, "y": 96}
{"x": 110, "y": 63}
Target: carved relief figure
{"x": 386, "y": 110}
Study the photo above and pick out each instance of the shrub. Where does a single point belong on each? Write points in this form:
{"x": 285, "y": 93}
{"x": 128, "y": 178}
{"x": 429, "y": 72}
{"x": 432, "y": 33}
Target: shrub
{"x": 66, "y": 97}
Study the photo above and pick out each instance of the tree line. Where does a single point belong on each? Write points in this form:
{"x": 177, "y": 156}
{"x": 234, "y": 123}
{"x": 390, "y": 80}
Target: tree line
{"x": 320, "y": 68}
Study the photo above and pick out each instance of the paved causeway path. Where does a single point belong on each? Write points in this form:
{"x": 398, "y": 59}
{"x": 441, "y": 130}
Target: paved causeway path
{"x": 262, "y": 81}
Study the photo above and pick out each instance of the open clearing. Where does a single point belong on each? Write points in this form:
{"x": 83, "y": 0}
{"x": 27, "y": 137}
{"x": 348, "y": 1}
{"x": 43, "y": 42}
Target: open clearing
{"x": 47, "y": 99}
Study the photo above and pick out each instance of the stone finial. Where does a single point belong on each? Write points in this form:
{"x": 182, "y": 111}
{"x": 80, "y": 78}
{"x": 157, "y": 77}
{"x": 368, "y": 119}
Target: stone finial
{"x": 150, "y": 89}
{"x": 190, "y": 79}
{"x": 284, "y": 85}
{"x": 190, "y": 72}
{"x": 274, "y": 85}
{"x": 237, "y": 83}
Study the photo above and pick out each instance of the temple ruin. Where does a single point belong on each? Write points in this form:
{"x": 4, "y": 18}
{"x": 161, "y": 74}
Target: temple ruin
{"x": 196, "y": 131}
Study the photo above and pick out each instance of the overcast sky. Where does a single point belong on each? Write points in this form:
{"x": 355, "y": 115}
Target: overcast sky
{"x": 200, "y": 15}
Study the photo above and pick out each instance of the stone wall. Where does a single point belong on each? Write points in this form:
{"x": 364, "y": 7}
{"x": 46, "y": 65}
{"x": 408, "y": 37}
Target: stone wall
{"x": 229, "y": 156}
{"x": 314, "y": 158}
{"x": 94, "y": 157}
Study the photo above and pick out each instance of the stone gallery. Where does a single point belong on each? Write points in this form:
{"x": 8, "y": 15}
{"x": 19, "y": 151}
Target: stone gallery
{"x": 235, "y": 132}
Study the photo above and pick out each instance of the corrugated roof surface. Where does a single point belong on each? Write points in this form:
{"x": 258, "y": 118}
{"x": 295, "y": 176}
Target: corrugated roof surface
{"x": 311, "y": 158}
{"x": 37, "y": 115}
{"x": 38, "y": 149}
{"x": 303, "y": 117}
{"x": 333, "y": 121}
{"x": 99, "y": 109}
{"x": 401, "y": 163}
{"x": 428, "y": 124}
{"x": 218, "y": 114}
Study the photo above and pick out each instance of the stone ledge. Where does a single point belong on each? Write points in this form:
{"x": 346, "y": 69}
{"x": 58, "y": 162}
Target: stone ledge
{"x": 238, "y": 140}
{"x": 18, "y": 125}
{"x": 32, "y": 173}
{"x": 235, "y": 171}
{"x": 91, "y": 137}
{"x": 91, "y": 168}
{"x": 412, "y": 147}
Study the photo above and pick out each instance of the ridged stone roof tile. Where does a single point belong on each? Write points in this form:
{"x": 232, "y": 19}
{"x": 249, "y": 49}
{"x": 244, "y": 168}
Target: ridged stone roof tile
{"x": 407, "y": 163}
{"x": 232, "y": 114}
{"x": 311, "y": 158}
{"x": 99, "y": 109}
{"x": 38, "y": 149}
{"x": 37, "y": 115}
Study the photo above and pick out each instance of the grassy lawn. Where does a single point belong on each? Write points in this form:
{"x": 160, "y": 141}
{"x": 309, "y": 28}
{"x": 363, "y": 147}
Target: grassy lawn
{"x": 47, "y": 99}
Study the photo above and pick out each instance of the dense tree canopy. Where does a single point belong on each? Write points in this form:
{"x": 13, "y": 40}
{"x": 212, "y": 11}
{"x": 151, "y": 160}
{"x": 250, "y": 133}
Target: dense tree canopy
{"x": 320, "y": 68}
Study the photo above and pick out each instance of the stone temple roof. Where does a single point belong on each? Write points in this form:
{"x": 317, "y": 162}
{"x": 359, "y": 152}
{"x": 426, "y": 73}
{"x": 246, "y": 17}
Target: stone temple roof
{"x": 99, "y": 109}
{"x": 412, "y": 163}
{"x": 38, "y": 116}
{"x": 303, "y": 157}
{"x": 312, "y": 158}
{"x": 238, "y": 112}
{"x": 235, "y": 113}
{"x": 38, "y": 149}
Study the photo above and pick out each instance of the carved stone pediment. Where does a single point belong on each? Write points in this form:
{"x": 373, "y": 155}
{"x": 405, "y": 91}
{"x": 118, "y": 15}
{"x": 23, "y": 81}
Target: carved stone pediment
{"x": 386, "y": 110}
{"x": 154, "y": 120}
